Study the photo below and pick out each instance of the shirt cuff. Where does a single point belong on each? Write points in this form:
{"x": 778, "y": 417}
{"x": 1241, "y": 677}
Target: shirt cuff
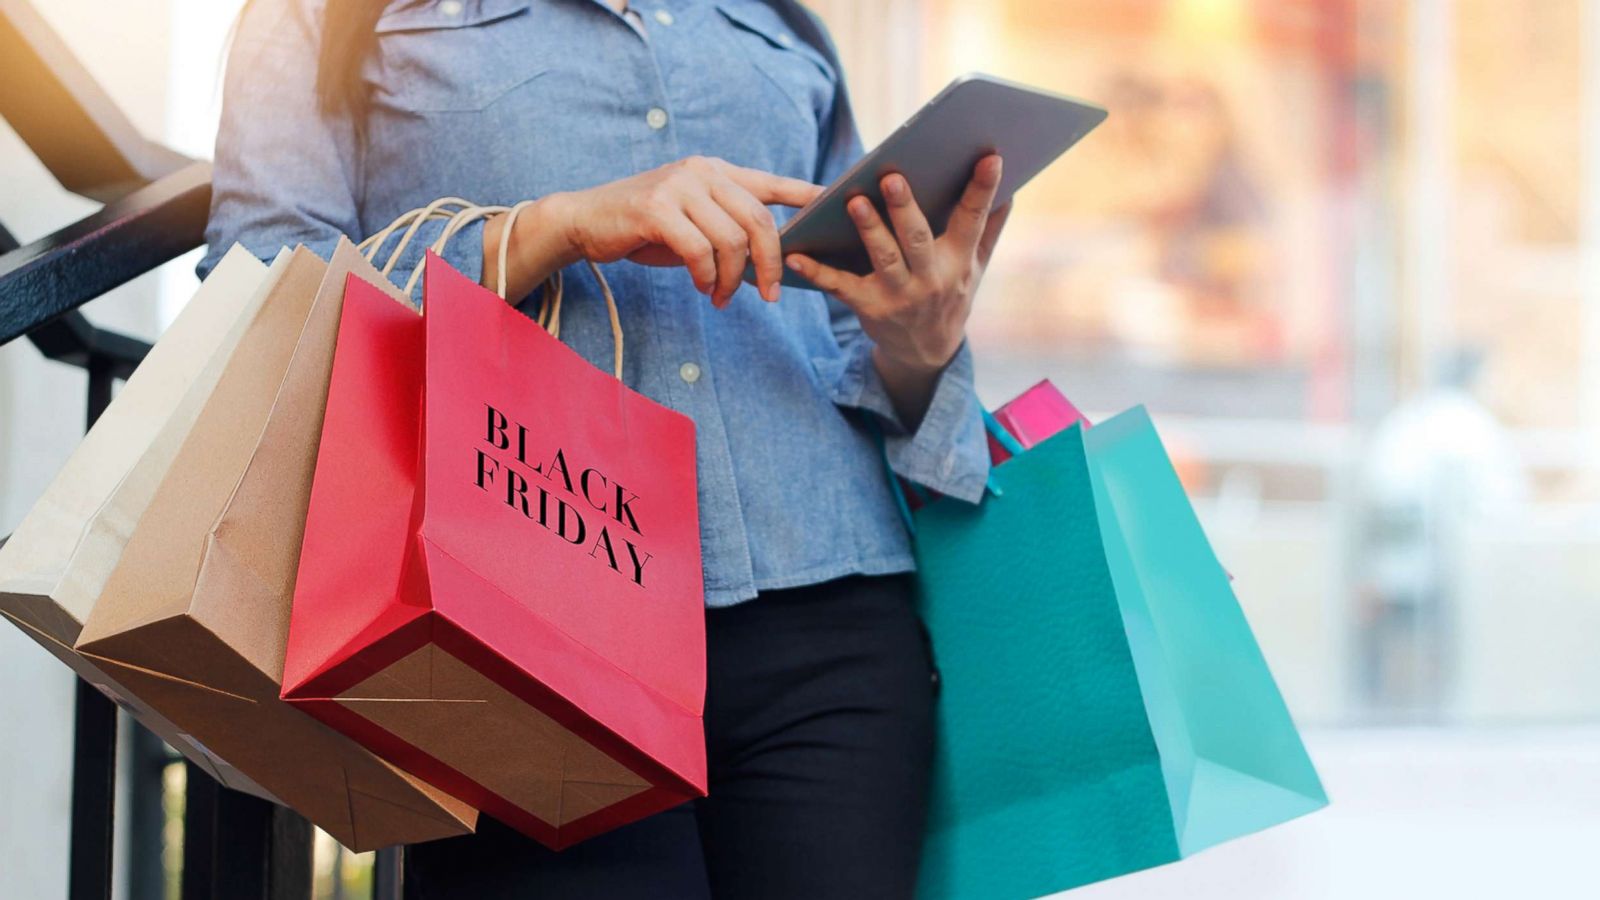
{"x": 949, "y": 451}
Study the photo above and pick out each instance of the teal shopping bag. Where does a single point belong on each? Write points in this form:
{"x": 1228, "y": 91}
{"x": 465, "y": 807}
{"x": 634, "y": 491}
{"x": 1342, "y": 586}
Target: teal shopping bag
{"x": 1105, "y": 706}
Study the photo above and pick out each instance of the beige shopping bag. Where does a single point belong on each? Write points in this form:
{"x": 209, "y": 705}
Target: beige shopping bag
{"x": 195, "y": 616}
{"x": 53, "y": 566}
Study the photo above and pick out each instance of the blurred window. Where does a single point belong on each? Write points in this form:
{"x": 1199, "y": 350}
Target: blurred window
{"x": 1340, "y": 249}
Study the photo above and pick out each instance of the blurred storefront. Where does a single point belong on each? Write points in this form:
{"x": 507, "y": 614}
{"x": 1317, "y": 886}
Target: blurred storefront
{"x": 1345, "y": 252}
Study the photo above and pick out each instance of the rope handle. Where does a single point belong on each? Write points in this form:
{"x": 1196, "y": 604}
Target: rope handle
{"x": 459, "y": 214}
{"x": 457, "y": 222}
{"x": 550, "y": 304}
{"x": 414, "y": 218}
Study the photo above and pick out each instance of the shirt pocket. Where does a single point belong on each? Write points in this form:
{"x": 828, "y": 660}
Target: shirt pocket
{"x": 451, "y": 56}
{"x": 797, "y": 72}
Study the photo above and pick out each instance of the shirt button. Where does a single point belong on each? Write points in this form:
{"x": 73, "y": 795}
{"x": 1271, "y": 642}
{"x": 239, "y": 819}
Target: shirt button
{"x": 451, "y": 8}
{"x": 786, "y": 39}
{"x": 656, "y": 118}
{"x": 663, "y": 17}
{"x": 948, "y": 467}
{"x": 689, "y": 372}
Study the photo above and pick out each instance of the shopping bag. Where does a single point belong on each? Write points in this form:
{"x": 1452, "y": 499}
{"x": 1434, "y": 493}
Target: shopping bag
{"x": 53, "y": 567}
{"x": 500, "y": 585}
{"x": 194, "y": 618}
{"x": 1037, "y": 413}
{"x": 1105, "y": 707}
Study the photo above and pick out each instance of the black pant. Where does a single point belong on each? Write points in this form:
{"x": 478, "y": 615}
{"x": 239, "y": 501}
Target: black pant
{"x": 819, "y": 731}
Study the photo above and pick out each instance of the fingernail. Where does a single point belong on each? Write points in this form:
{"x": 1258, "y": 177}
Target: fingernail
{"x": 777, "y": 291}
{"x": 894, "y": 186}
{"x": 793, "y": 263}
{"x": 858, "y": 209}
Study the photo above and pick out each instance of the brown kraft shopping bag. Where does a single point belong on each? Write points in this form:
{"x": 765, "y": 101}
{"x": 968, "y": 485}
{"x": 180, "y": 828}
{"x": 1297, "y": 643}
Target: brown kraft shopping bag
{"x": 195, "y": 616}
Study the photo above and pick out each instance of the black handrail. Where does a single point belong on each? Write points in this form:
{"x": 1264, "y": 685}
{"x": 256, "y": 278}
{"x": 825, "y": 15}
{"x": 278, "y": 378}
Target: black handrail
{"x": 128, "y": 237}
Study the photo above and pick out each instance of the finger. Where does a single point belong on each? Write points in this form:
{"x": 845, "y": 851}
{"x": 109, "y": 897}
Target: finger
{"x": 691, "y": 245}
{"x": 882, "y": 248}
{"x": 761, "y": 233}
{"x": 991, "y": 233}
{"x": 770, "y": 188}
{"x": 910, "y": 225}
{"x": 847, "y": 286}
{"x": 972, "y": 212}
{"x": 729, "y": 243}
{"x": 656, "y": 255}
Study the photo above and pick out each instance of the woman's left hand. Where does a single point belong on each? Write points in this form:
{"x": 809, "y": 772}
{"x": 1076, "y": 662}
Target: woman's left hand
{"x": 916, "y": 302}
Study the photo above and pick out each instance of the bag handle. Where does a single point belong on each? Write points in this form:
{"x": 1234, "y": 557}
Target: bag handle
{"x": 1005, "y": 438}
{"x": 460, "y": 220}
{"x": 436, "y": 210}
{"x": 461, "y": 213}
{"x": 550, "y": 303}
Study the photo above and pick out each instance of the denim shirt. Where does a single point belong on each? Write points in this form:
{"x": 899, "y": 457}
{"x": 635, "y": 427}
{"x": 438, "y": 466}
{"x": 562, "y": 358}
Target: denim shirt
{"x": 502, "y": 100}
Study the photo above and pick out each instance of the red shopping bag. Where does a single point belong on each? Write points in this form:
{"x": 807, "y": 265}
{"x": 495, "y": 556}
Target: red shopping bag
{"x": 500, "y": 586}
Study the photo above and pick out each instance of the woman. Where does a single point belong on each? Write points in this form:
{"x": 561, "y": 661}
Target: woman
{"x": 654, "y": 140}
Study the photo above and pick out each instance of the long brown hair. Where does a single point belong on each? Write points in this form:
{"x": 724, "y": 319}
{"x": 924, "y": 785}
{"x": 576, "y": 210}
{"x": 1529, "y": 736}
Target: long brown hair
{"x": 349, "y": 33}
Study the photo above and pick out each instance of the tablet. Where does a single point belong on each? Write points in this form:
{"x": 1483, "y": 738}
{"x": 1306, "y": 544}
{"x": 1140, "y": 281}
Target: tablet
{"x": 936, "y": 150}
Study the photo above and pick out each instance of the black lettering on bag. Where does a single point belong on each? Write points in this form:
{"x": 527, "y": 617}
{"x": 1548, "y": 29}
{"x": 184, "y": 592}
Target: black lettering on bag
{"x": 593, "y": 488}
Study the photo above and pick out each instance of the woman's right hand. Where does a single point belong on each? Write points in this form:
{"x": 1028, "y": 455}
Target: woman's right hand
{"x": 705, "y": 214}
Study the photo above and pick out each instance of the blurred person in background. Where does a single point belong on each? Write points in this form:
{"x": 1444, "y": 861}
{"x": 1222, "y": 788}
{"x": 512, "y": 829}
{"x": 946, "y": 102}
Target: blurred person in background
{"x": 1438, "y": 463}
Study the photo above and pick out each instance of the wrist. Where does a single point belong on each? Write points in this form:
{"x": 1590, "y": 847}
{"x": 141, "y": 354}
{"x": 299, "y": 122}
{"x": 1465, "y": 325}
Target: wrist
{"x": 543, "y": 241}
{"x": 912, "y": 366}
{"x": 910, "y": 384}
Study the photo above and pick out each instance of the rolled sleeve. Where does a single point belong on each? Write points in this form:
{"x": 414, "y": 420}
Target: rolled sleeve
{"x": 948, "y": 451}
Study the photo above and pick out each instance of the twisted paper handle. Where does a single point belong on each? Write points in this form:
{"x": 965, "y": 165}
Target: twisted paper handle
{"x": 462, "y": 213}
{"x": 550, "y": 303}
{"x": 438, "y": 209}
